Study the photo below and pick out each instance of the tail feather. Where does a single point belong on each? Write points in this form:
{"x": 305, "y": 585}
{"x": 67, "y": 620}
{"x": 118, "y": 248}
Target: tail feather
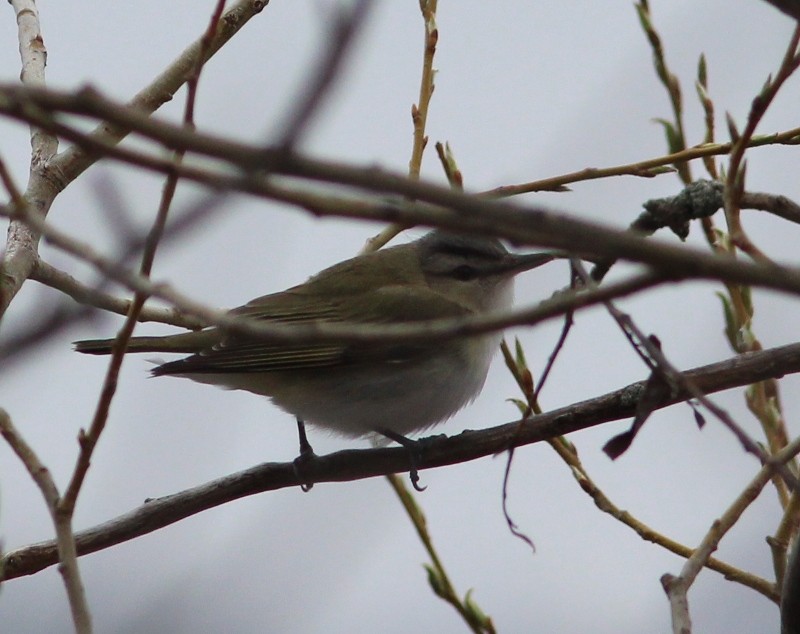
{"x": 94, "y": 346}
{"x": 189, "y": 342}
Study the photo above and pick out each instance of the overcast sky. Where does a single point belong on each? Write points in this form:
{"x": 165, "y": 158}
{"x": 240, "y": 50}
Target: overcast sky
{"x": 524, "y": 90}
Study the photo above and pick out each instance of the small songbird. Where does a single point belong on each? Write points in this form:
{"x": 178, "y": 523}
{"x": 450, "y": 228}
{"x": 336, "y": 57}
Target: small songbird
{"x": 358, "y": 389}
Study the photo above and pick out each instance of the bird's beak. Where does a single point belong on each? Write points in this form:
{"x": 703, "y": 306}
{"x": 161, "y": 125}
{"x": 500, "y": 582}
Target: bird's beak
{"x": 515, "y": 263}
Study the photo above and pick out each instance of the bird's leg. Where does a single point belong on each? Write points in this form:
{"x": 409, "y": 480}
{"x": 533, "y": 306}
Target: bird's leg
{"x": 305, "y": 447}
{"x": 306, "y": 454}
{"x": 414, "y": 454}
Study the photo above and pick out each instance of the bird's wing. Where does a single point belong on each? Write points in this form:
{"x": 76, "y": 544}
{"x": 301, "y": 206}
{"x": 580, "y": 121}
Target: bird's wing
{"x": 237, "y": 353}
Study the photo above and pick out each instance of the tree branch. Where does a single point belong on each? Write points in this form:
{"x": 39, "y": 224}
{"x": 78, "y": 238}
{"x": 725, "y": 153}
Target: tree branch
{"x": 436, "y": 451}
{"x": 55, "y": 278}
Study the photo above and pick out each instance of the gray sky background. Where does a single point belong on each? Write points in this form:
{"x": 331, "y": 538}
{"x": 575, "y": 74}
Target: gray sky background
{"x": 524, "y": 90}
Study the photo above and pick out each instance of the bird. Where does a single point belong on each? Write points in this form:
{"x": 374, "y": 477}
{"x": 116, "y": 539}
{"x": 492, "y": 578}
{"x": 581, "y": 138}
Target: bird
{"x": 362, "y": 389}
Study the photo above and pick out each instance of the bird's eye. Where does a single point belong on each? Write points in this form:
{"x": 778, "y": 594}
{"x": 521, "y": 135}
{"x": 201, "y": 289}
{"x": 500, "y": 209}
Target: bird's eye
{"x": 465, "y": 272}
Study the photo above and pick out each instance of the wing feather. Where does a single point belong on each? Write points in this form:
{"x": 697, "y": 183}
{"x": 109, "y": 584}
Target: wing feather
{"x": 389, "y": 304}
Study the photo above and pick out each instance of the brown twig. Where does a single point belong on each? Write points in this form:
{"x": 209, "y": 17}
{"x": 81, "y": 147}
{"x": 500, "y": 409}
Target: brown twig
{"x": 64, "y": 548}
{"x": 789, "y": 7}
{"x": 701, "y": 86}
{"x": 437, "y": 575}
{"x": 674, "y": 130}
{"x": 419, "y": 116}
{"x": 569, "y": 455}
{"x": 762, "y": 399}
{"x": 734, "y": 180}
{"x": 652, "y": 355}
{"x": 419, "y": 111}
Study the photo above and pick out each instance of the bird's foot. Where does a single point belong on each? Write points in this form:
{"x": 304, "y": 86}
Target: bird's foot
{"x": 414, "y": 449}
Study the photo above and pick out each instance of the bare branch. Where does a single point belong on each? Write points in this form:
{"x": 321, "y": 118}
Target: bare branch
{"x": 64, "y": 549}
{"x": 17, "y": 262}
{"x": 21, "y": 243}
{"x": 735, "y": 174}
{"x": 672, "y": 378}
{"x": 50, "y": 276}
{"x": 778, "y": 205}
{"x": 644, "y": 169}
{"x": 437, "y": 451}
{"x": 677, "y": 588}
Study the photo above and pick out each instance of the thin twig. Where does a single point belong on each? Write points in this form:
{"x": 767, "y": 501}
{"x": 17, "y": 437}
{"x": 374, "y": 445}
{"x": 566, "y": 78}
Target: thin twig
{"x": 647, "y": 168}
{"x": 64, "y": 548}
{"x": 657, "y": 362}
{"x": 763, "y": 399}
{"x": 734, "y": 179}
{"x": 88, "y": 440}
{"x": 18, "y": 260}
{"x": 569, "y": 455}
{"x": 48, "y": 275}
{"x": 419, "y": 111}
{"x": 766, "y": 588}
{"x": 787, "y": 531}
{"x": 437, "y": 575}
{"x": 789, "y": 7}
{"x": 674, "y": 130}
{"x": 701, "y": 86}
{"x": 419, "y": 116}
{"x": 728, "y": 519}
{"x": 677, "y": 587}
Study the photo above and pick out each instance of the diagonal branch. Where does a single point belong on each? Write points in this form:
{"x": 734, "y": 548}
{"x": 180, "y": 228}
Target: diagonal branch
{"x": 437, "y": 451}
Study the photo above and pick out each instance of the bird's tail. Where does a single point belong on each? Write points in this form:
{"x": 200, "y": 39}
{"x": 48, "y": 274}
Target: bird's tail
{"x": 188, "y": 342}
